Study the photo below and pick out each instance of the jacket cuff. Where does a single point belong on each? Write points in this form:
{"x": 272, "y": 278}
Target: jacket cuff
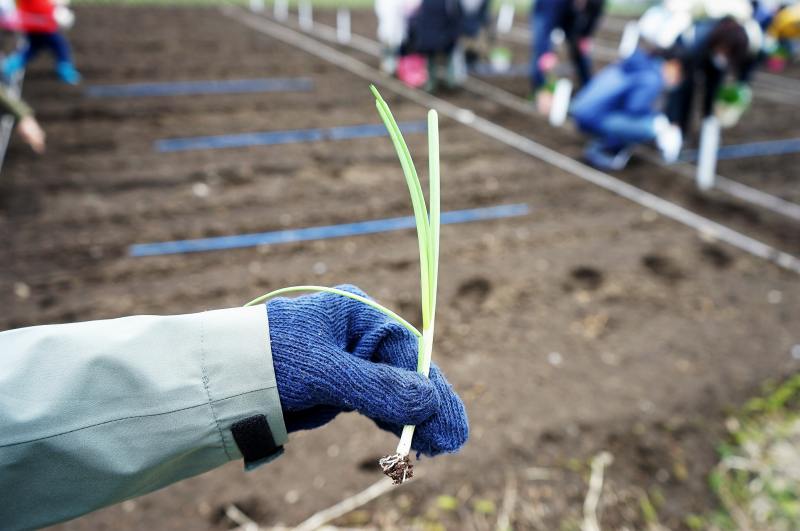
{"x": 239, "y": 379}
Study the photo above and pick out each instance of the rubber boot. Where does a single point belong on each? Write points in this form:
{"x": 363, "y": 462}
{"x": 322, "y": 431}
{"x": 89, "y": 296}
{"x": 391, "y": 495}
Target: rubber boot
{"x": 456, "y": 68}
{"x": 432, "y": 83}
{"x": 66, "y": 71}
{"x": 389, "y": 58}
{"x": 13, "y": 64}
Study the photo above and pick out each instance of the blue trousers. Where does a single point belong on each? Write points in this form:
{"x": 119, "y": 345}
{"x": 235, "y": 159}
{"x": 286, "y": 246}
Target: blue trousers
{"x": 617, "y": 130}
{"x": 546, "y": 17}
{"x": 55, "y": 42}
{"x": 598, "y": 110}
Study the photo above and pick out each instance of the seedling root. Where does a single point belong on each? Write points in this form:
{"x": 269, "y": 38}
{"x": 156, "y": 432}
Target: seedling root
{"x": 398, "y": 467}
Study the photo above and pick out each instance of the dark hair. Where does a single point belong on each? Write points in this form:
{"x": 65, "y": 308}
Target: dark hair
{"x": 676, "y": 51}
{"x": 731, "y": 38}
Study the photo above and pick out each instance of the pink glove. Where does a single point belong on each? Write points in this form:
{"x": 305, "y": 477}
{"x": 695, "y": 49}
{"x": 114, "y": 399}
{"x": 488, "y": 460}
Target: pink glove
{"x": 548, "y": 61}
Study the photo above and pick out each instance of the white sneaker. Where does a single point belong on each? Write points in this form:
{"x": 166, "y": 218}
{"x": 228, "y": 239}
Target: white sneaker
{"x": 669, "y": 139}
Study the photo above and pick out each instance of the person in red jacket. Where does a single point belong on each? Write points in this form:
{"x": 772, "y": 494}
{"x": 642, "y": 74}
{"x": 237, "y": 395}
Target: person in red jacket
{"x": 40, "y": 20}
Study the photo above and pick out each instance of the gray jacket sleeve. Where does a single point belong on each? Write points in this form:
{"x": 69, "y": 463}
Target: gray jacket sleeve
{"x": 98, "y": 412}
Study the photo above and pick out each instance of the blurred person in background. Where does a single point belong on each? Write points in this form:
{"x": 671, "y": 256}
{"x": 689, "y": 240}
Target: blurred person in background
{"x": 99, "y": 412}
{"x": 422, "y": 38}
{"x": 41, "y": 22}
{"x": 710, "y": 52}
{"x": 720, "y": 51}
{"x": 26, "y": 125}
{"x": 782, "y": 28}
{"x": 577, "y": 20}
{"x": 433, "y": 32}
{"x": 618, "y": 108}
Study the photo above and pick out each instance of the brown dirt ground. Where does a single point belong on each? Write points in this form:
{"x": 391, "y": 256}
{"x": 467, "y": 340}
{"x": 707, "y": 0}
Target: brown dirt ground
{"x": 657, "y": 332}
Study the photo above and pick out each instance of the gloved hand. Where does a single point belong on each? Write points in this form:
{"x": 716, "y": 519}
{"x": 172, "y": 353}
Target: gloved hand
{"x": 548, "y": 62}
{"x": 731, "y": 102}
{"x": 334, "y": 354}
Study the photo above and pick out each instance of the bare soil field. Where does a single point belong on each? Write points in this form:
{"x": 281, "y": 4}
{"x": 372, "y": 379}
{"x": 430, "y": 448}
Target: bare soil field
{"x": 589, "y": 325}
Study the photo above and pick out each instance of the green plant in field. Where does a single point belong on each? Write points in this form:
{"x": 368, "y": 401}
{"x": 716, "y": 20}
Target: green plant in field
{"x": 398, "y": 465}
{"x": 758, "y": 477}
{"x": 484, "y": 506}
{"x": 447, "y": 503}
{"x": 648, "y": 505}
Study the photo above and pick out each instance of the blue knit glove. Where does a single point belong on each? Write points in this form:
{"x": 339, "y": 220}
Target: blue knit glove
{"x": 333, "y": 354}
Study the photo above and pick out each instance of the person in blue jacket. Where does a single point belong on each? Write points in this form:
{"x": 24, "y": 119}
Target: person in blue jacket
{"x": 618, "y": 108}
{"x": 577, "y": 19}
{"x": 99, "y": 412}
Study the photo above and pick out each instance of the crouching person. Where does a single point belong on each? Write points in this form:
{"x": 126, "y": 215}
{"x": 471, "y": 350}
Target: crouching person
{"x": 618, "y": 109}
{"x": 433, "y": 33}
{"x": 419, "y": 37}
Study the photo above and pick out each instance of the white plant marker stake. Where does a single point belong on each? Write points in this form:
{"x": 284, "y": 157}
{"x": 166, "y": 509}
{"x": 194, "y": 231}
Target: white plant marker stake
{"x": 629, "y": 40}
{"x": 305, "y": 15}
{"x": 557, "y": 37}
{"x": 505, "y": 18}
{"x": 281, "y": 10}
{"x": 707, "y": 160}
{"x": 561, "y": 99}
{"x": 257, "y": 5}
{"x": 343, "y": 25}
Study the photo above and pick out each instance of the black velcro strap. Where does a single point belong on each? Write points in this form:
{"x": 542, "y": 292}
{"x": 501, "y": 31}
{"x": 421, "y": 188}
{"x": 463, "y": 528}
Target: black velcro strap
{"x": 254, "y": 439}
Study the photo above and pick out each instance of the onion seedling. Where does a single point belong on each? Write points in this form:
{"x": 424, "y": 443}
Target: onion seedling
{"x": 398, "y": 465}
